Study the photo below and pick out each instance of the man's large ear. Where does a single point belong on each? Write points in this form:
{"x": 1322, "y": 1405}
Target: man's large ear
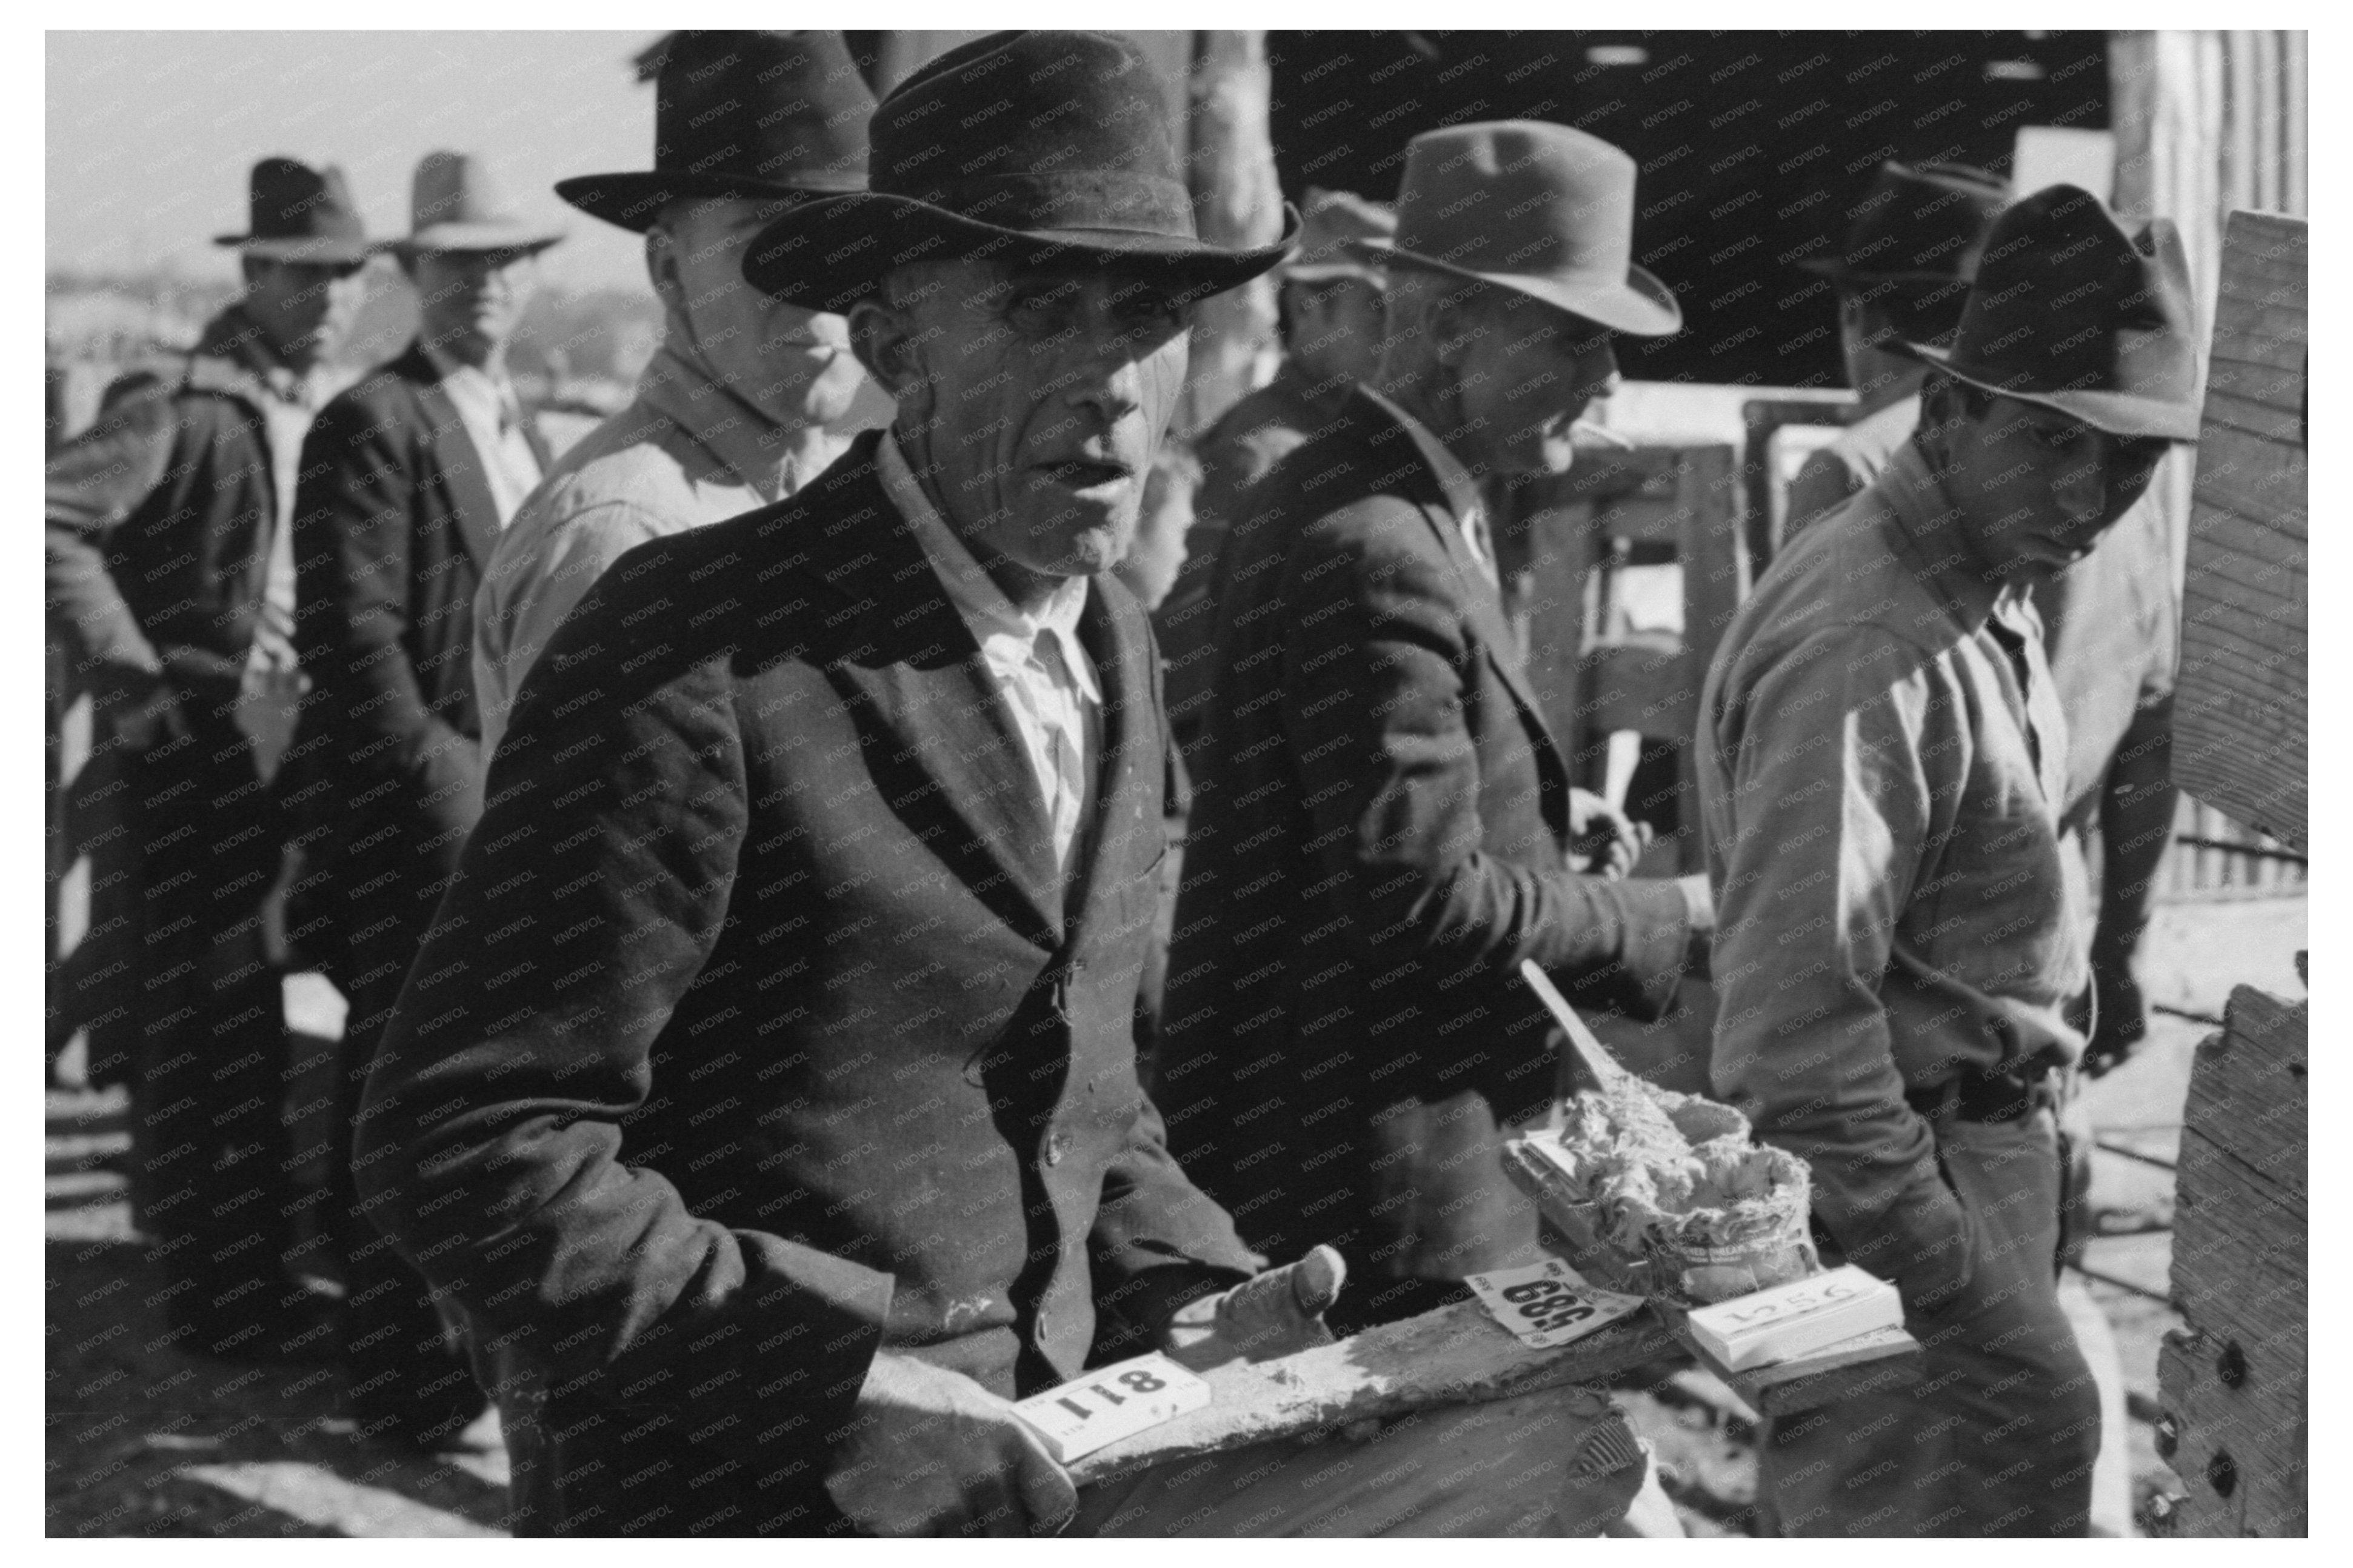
{"x": 882, "y": 337}
{"x": 661, "y": 268}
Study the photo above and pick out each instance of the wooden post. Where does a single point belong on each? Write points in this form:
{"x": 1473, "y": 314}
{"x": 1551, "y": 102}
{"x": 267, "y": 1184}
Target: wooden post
{"x": 2240, "y": 706}
{"x": 1237, "y": 200}
{"x": 2233, "y": 1381}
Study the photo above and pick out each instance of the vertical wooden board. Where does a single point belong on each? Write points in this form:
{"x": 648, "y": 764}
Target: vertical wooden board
{"x": 2235, "y": 1379}
{"x": 2242, "y": 702}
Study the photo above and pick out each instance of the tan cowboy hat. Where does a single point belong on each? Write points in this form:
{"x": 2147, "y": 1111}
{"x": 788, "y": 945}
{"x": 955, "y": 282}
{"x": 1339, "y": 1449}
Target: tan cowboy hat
{"x": 1532, "y": 207}
{"x": 454, "y": 205}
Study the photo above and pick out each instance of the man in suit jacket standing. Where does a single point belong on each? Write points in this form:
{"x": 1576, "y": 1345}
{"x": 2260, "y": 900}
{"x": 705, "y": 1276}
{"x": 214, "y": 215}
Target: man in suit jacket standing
{"x": 407, "y": 479}
{"x": 1382, "y": 826}
{"x": 766, "y": 1092}
{"x": 749, "y": 398}
{"x": 165, "y": 521}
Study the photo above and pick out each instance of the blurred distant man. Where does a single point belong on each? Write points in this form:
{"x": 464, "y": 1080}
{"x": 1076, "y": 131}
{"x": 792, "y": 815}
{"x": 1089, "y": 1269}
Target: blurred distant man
{"x": 1329, "y": 313}
{"x": 407, "y": 479}
{"x": 165, "y": 519}
{"x": 749, "y": 398}
{"x": 1882, "y": 760}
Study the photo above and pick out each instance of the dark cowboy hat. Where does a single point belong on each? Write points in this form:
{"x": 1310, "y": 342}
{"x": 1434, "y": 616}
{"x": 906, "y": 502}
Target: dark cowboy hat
{"x": 2072, "y": 312}
{"x": 1037, "y": 148}
{"x": 454, "y": 205}
{"x": 759, "y": 115}
{"x": 1532, "y": 207}
{"x": 300, "y": 214}
{"x": 1922, "y": 223}
{"x": 1333, "y": 227}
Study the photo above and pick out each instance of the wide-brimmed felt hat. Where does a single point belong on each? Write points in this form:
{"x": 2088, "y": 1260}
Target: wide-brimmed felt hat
{"x": 1532, "y": 207}
{"x": 759, "y": 115}
{"x": 2071, "y": 312}
{"x": 454, "y": 205}
{"x": 296, "y": 213}
{"x": 1918, "y": 223}
{"x": 1035, "y": 148}
{"x": 1333, "y": 227}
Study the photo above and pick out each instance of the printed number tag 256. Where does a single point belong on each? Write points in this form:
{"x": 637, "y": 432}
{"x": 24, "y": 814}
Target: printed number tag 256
{"x": 1547, "y": 1305}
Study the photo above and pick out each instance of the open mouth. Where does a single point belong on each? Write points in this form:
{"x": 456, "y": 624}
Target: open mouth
{"x": 1084, "y": 473}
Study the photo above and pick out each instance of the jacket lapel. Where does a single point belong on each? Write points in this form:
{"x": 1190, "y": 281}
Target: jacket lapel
{"x": 1479, "y": 596}
{"x": 955, "y": 769}
{"x": 1130, "y": 778}
{"x": 463, "y": 484}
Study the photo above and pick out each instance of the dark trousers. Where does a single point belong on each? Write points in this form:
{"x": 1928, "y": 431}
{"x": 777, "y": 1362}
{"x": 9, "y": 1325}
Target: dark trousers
{"x": 406, "y": 1377}
{"x": 215, "y": 1183}
{"x": 1999, "y": 1437}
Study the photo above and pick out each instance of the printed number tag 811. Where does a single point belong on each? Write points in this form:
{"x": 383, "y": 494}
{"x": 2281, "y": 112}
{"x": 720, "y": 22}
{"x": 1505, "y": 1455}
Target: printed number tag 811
{"x": 1547, "y": 1305}
{"x": 1111, "y": 1402}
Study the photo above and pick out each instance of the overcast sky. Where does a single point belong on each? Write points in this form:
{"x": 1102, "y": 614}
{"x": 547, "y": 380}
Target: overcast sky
{"x": 151, "y": 133}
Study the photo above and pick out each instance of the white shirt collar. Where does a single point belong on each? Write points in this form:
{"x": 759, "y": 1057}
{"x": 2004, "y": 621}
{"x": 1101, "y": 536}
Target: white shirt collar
{"x": 974, "y": 593}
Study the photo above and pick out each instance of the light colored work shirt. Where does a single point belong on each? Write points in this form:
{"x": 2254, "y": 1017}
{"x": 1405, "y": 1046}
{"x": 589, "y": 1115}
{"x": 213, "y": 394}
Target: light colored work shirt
{"x": 493, "y": 420}
{"x": 1882, "y": 764}
{"x": 2111, "y": 622}
{"x": 1035, "y": 658}
{"x": 685, "y": 454}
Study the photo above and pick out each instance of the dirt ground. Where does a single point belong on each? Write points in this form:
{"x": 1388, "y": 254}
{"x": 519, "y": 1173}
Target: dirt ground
{"x": 143, "y": 1440}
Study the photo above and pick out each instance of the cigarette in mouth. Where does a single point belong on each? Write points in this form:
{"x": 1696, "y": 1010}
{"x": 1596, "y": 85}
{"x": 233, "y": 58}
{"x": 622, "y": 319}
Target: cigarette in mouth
{"x": 1602, "y": 434}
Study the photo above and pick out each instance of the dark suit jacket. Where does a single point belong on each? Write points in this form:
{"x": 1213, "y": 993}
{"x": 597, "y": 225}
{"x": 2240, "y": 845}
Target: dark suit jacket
{"x": 394, "y": 525}
{"x": 758, "y": 1029}
{"x": 1377, "y": 839}
{"x": 159, "y": 519}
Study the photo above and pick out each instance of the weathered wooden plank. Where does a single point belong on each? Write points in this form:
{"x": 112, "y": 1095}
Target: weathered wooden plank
{"x": 2246, "y": 585}
{"x": 1555, "y": 1462}
{"x": 2247, "y": 477}
{"x": 2252, "y": 585}
{"x": 2234, "y": 1379}
{"x": 1454, "y": 1355}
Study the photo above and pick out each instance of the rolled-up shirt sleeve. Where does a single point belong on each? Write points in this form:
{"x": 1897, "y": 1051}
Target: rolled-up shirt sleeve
{"x": 1839, "y": 761}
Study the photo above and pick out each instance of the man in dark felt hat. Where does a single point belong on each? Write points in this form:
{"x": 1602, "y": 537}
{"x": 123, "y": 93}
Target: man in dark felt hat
{"x": 1383, "y": 827}
{"x": 749, "y": 398}
{"x": 1329, "y": 312}
{"x": 1882, "y": 772}
{"x": 407, "y": 479}
{"x": 765, "y": 1091}
{"x": 2111, "y": 622}
{"x": 166, "y": 520}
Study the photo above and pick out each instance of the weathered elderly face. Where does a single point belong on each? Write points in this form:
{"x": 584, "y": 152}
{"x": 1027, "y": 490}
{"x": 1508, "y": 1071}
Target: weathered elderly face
{"x": 1037, "y": 398}
{"x": 1524, "y": 371}
{"x": 794, "y": 365}
{"x": 472, "y": 301}
{"x": 2035, "y": 487}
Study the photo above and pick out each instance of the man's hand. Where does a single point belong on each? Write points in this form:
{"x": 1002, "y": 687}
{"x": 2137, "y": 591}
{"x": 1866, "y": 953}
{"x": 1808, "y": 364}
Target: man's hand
{"x": 1272, "y": 1314}
{"x": 931, "y": 1452}
{"x": 1603, "y": 839}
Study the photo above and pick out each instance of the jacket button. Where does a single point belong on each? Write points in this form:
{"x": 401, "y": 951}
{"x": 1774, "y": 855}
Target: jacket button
{"x": 1056, "y": 1147}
